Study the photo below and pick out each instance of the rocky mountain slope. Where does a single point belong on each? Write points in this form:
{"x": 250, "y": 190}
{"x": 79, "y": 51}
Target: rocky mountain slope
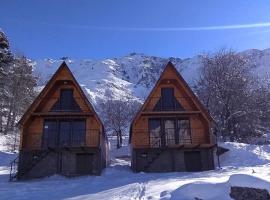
{"x": 134, "y": 75}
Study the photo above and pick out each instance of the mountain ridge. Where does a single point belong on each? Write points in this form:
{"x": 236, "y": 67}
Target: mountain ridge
{"x": 133, "y": 75}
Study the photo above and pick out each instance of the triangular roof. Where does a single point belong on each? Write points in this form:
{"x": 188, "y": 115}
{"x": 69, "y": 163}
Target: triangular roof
{"x": 187, "y": 89}
{"x": 46, "y": 89}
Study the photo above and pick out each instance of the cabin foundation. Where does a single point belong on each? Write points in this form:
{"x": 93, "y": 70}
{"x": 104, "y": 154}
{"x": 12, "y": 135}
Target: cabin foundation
{"x": 64, "y": 162}
{"x": 172, "y": 160}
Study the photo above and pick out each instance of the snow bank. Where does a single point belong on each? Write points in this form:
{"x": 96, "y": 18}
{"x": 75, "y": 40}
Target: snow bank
{"x": 6, "y": 158}
{"x": 220, "y": 191}
{"x": 241, "y": 154}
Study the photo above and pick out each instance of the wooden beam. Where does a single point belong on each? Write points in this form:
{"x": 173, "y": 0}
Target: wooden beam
{"x": 174, "y": 113}
{"x": 66, "y": 114}
{"x": 181, "y": 146}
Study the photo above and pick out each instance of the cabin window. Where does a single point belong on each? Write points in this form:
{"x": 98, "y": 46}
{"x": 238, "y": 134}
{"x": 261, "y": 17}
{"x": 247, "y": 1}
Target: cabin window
{"x": 167, "y": 96}
{"x": 169, "y": 132}
{"x": 155, "y": 131}
{"x": 66, "y": 99}
{"x": 78, "y": 132}
{"x": 66, "y": 102}
{"x": 167, "y": 101}
{"x": 169, "y": 129}
{"x": 50, "y": 133}
{"x": 183, "y": 131}
{"x": 63, "y": 133}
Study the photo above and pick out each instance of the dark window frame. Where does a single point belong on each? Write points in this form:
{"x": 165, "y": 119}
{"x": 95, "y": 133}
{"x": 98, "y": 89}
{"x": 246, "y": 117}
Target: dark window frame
{"x": 156, "y": 142}
{"x": 168, "y": 103}
{"x": 59, "y": 105}
{"x": 167, "y": 98}
{"x": 66, "y": 98}
{"x": 163, "y": 135}
{"x": 72, "y": 131}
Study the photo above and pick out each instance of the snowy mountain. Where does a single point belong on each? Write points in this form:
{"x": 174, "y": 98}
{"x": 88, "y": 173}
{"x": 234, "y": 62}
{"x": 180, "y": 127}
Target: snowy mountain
{"x": 134, "y": 75}
{"x": 131, "y": 76}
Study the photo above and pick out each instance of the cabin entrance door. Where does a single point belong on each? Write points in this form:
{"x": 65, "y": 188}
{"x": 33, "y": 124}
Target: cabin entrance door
{"x": 84, "y": 163}
{"x": 193, "y": 161}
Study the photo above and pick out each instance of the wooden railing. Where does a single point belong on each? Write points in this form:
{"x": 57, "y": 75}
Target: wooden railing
{"x": 85, "y": 138}
{"x": 170, "y": 137}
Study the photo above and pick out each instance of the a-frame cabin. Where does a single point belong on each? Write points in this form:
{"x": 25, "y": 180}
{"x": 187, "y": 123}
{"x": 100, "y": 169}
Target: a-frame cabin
{"x": 172, "y": 130}
{"x": 61, "y": 133}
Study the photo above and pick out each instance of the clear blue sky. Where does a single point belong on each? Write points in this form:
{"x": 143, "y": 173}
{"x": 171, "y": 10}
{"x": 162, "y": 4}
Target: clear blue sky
{"x": 112, "y": 28}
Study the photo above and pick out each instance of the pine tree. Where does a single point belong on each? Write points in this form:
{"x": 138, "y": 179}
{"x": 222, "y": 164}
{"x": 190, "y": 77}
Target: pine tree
{"x": 17, "y": 84}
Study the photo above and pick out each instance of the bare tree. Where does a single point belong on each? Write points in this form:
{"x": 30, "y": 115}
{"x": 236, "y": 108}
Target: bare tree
{"x": 117, "y": 115}
{"x": 229, "y": 90}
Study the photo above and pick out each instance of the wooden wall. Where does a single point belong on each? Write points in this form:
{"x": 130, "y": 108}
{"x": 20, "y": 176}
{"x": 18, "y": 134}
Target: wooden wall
{"x": 32, "y": 129}
{"x": 198, "y": 124}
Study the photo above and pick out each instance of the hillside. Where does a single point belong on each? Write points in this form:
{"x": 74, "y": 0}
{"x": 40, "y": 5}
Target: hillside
{"x": 135, "y": 74}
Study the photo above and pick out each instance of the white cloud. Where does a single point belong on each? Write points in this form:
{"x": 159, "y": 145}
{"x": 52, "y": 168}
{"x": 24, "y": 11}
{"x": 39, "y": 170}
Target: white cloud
{"x": 168, "y": 29}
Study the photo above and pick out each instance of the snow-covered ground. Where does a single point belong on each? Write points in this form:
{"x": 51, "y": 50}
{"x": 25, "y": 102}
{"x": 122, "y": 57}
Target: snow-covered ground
{"x": 243, "y": 165}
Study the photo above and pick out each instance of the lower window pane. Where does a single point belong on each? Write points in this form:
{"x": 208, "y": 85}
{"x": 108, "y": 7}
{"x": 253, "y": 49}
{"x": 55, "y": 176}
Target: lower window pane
{"x": 78, "y": 132}
{"x": 155, "y": 131}
{"x": 64, "y": 133}
{"x": 184, "y": 132}
{"x": 49, "y": 134}
{"x": 169, "y": 131}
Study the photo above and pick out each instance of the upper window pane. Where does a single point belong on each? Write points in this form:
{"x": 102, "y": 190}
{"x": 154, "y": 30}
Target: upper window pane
{"x": 66, "y": 99}
{"x": 66, "y": 102}
{"x": 167, "y": 95}
{"x": 167, "y": 102}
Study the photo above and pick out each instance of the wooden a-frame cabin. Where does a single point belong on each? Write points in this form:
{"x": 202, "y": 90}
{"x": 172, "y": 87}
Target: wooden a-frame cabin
{"x": 172, "y": 130}
{"x": 61, "y": 133}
